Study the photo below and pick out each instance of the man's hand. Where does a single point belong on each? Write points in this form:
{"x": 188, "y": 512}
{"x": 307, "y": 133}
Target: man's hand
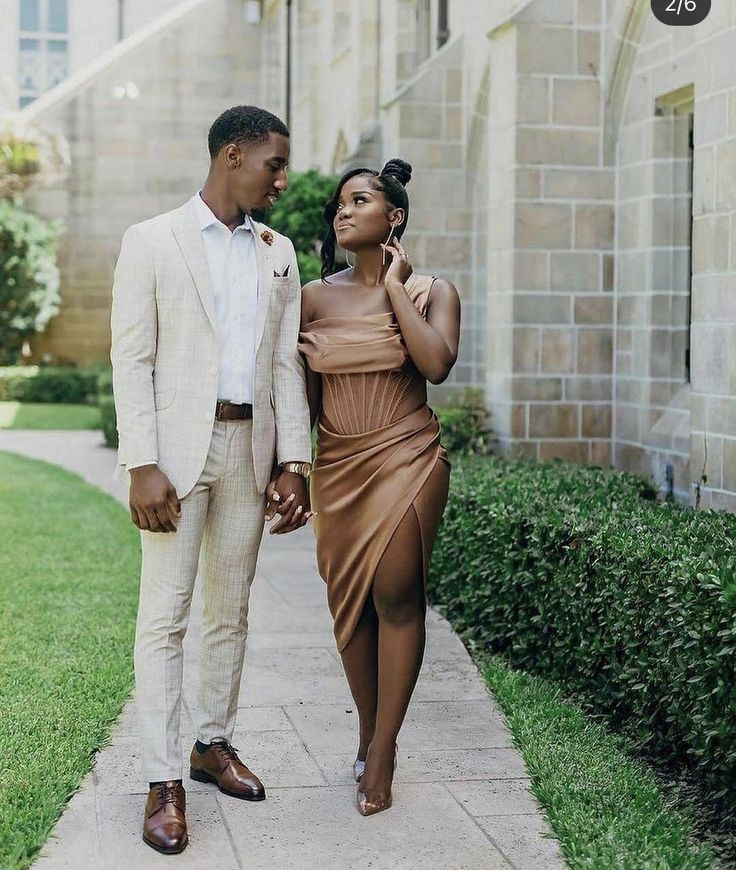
{"x": 287, "y": 495}
{"x": 154, "y": 505}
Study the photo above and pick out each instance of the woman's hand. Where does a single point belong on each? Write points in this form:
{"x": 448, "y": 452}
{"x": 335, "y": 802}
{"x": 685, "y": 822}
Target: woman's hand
{"x": 400, "y": 267}
{"x": 288, "y": 496}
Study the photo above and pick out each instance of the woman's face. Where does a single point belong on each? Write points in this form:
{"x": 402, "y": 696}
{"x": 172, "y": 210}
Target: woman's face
{"x": 363, "y": 215}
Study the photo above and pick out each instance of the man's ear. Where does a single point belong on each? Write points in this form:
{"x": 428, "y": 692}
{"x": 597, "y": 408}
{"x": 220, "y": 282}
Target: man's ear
{"x": 232, "y": 156}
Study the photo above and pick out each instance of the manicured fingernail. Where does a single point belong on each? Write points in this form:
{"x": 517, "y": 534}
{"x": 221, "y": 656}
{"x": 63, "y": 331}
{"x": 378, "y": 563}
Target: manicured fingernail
{"x": 276, "y": 497}
{"x": 299, "y": 509}
{"x": 291, "y": 497}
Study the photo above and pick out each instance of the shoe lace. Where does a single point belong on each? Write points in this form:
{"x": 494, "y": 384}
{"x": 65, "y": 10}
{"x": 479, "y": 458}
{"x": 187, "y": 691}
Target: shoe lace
{"x": 169, "y": 793}
{"x": 227, "y": 751}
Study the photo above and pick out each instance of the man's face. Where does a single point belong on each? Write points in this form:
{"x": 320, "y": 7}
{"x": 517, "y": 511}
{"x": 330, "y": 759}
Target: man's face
{"x": 258, "y": 172}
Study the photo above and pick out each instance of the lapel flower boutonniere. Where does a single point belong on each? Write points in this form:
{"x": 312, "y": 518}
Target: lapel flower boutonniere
{"x": 267, "y": 237}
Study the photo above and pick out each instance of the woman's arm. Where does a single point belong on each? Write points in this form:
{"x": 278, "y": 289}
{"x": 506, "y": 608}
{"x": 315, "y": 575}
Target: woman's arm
{"x": 432, "y": 343}
{"x": 314, "y": 379}
{"x": 314, "y": 394}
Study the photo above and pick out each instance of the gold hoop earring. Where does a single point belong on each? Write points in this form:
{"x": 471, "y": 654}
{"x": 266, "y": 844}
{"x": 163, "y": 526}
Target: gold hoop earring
{"x": 347, "y": 260}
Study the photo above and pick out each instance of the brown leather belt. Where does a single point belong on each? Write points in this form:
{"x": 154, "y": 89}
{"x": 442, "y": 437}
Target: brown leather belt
{"x": 228, "y": 411}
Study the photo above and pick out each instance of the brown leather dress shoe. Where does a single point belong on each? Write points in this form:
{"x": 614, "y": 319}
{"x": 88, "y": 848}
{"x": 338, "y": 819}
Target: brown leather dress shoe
{"x": 165, "y": 824}
{"x": 220, "y": 764}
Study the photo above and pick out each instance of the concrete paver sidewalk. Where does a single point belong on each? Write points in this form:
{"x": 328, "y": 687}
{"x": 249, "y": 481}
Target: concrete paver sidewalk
{"x": 461, "y": 795}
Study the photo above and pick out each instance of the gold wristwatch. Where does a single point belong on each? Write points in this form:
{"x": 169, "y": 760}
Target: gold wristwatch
{"x": 303, "y": 468}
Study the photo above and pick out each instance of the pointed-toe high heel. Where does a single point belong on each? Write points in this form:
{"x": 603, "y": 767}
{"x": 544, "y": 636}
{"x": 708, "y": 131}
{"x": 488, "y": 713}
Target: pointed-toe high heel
{"x": 370, "y": 806}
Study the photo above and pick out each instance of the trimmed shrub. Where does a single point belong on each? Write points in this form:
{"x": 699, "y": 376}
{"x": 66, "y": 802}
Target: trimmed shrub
{"x": 64, "y": 385}
{"x": 579, "y": 575}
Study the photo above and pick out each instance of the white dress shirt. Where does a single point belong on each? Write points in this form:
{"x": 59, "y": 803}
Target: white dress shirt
{"x": 233, "y": 268}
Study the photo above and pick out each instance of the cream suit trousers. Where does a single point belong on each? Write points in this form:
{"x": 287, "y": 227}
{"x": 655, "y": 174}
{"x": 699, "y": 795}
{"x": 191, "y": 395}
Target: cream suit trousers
{"x": 220, "y": 531}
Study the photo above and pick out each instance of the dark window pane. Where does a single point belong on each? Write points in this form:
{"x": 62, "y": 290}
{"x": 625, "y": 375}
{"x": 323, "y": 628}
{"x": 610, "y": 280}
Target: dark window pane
{"x": 57, "y": 16}
{"x": 29, "y": 15}
{"x": 29, "y": 45}
{"x": 24, "y": 101}
{"x": 57, "y": 45}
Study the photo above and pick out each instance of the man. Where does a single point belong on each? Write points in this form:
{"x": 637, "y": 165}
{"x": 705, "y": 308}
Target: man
{"x": 209, "y": 390}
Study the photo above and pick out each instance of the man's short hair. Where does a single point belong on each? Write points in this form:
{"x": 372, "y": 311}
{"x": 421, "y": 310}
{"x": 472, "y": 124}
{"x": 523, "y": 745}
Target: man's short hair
{"x": 243, "y": 125}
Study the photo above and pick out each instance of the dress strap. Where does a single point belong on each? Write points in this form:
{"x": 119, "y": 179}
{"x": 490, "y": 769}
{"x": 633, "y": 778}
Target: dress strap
{"x": 419, "y": 288}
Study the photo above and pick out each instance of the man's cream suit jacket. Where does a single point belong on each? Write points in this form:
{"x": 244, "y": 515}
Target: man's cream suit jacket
{"x": 165, "y": 353}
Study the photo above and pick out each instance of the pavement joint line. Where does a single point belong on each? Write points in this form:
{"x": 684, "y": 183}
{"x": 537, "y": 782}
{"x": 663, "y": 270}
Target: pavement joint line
{"x": 306, "y": 748}
{"x": 229, "y": 833}
{"x": 478, "y": 826}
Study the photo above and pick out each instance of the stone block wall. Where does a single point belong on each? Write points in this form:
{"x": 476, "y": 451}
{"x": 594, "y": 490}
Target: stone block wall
{"x": 561, "y": 382}
{"x": 676, "y": 272}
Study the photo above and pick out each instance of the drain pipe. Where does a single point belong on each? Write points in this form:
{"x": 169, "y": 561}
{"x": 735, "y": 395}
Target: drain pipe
{"x": 288, "y": 63}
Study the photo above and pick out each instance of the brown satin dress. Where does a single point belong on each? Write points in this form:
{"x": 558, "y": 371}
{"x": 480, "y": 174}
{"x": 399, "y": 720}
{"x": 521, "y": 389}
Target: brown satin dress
{"x": 378, "y": 455}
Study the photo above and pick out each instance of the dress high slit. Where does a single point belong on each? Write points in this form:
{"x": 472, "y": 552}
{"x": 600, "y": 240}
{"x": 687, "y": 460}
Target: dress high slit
{"x": 378, "y": 453}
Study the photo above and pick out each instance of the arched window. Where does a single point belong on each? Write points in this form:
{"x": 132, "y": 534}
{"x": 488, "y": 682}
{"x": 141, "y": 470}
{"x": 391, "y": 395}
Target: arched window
{"x": 44, "y": 47}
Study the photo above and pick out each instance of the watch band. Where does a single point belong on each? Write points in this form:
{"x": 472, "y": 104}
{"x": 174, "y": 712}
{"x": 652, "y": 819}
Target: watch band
{"x": 302, "y": 468}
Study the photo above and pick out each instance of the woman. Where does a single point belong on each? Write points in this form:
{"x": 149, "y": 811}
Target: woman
{"x": 372, "y": 335}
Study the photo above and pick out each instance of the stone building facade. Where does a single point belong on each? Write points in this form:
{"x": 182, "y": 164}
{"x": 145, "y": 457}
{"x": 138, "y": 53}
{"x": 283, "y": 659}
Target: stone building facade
{"x": 575, "y": 176}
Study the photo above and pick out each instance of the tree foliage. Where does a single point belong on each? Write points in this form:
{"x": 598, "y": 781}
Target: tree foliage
{"x": 298, "y": 215}
{"x": 29, "y": 277}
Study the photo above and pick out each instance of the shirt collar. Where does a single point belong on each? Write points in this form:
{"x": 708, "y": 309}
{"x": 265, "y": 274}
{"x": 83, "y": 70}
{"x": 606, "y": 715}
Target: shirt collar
{"x": 207, "y": 218}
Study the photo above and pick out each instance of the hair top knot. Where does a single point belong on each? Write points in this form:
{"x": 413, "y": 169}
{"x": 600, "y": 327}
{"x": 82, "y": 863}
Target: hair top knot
{"x": 399, "y": 169}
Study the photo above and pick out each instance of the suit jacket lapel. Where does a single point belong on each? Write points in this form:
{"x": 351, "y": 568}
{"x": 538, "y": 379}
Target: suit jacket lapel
{"x": 189, "y": 238}
{"x": 265, "y": 276}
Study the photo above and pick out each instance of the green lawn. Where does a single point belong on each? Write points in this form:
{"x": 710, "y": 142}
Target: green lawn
{"x": 30, "y": 415}
{"x": 69, "y": 566}
{"x": 604, "y": 806}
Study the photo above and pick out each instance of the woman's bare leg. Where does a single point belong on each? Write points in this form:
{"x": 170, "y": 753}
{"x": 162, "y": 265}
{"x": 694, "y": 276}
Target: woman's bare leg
{"x": 360, "y": 660}
{"x": 399, "y": 601}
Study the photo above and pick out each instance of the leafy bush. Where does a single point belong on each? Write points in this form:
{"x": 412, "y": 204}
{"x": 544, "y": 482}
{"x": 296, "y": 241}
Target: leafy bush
{"x": 65, "y": 385}
{"x": 298, "y": 215}
{"x": 464, "y": 422}
{"x": 29, "y": 277}
{"x": 579, "y": 575}
{"x": 106, "y": 404}
{"x": 108, "y": 420}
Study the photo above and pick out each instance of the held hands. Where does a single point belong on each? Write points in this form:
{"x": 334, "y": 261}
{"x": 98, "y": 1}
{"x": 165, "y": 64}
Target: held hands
{"x": 400, "y": 267}
{"x": 287, "y": 497}
{"x": 154, "y": 505}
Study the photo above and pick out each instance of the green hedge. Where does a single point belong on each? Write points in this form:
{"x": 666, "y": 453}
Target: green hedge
{"x": 579, "y": 575}
{"x": 464, "y": 422}
{"x": 63, "y": 384}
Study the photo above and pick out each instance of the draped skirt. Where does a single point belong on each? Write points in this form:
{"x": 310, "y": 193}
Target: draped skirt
{"x": 361, "y": 488}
